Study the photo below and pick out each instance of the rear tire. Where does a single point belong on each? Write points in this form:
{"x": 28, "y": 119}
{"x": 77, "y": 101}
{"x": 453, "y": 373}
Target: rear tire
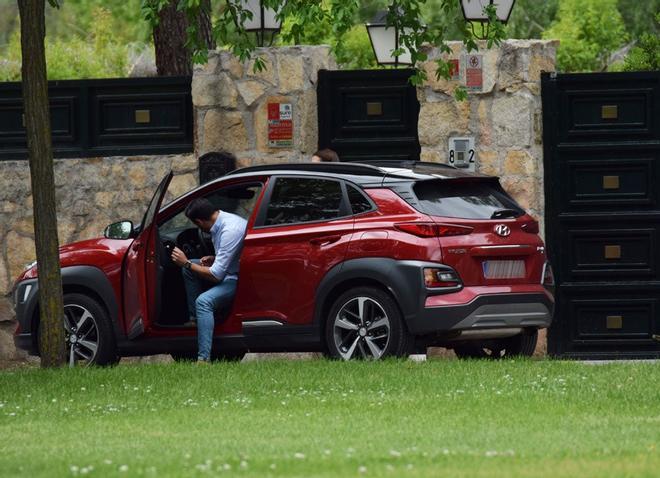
{"x": 521, "y": 345}
{"x": 366, "y": 323}
{"x": 89, "y": 334}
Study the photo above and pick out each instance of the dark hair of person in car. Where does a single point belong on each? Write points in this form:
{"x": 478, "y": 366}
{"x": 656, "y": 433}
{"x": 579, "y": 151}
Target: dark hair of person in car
{"x": 200, "y": 209}
{"x": 325, "y": 156}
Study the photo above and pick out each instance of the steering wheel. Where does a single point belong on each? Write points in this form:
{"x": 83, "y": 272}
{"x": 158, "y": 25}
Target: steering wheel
{"x": 203, "y": 243}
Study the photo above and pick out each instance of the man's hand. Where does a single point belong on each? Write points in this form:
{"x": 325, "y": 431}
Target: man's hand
{"x": 178, "y": 257}
{"x": 207, "y": 261}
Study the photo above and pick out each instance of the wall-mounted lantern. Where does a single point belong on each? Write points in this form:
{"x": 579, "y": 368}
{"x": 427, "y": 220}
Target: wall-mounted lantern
{"x": 474, "y": 12}
{"x": 385, "y": 40}
{"x": 263, "y": 20}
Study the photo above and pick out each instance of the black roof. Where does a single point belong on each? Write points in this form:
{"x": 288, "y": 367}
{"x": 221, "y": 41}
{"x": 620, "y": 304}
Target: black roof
{"x": 375, "y": 173}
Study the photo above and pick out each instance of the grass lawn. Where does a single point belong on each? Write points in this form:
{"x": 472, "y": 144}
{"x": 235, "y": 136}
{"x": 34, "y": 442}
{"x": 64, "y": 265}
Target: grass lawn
{"x": 330, "y": 419}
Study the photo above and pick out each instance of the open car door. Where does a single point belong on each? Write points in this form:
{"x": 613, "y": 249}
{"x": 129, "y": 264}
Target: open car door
{"x": 141, "y": 270}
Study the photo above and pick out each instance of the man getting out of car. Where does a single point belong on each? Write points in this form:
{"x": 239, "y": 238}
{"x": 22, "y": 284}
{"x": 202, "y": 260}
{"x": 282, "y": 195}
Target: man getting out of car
{"x": 211, "y": 282}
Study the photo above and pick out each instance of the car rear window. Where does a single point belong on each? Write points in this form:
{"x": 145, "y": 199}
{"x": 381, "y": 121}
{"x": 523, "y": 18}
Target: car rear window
{"x": 465, "y": 199}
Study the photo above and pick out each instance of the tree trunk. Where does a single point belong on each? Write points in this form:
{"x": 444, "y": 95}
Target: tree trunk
{"x": 173, "y": 58}
{"x": 40, "y": 153}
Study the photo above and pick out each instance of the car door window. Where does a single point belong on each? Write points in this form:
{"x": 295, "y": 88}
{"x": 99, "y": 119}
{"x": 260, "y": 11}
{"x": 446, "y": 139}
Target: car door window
{"x": 300, "y": 200}
{"x": 237, "y": 199}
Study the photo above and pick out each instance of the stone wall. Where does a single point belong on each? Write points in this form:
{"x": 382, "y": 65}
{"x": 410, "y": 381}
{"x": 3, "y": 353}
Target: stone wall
{"x": 230, "y": 112}
{"x": 91, "y": 193}
{"x": 231, "y": 101}
{"x": 504, "y": 118}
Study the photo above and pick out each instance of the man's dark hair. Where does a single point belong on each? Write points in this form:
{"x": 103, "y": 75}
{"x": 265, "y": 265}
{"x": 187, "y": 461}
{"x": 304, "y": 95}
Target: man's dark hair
{"x": 200, "y": 209}
{"x": 327, "y": 155}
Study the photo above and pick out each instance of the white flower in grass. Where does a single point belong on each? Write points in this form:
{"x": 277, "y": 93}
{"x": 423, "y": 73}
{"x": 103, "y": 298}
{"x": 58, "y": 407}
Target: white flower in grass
{"x": 327, "y": 452}
{"x": 273, "y": 466}
{"x": 299, "y": 456}
{"x": 226, "y": 466}
{"x": 107, "y": 462}
{"x": 395, "y": 453}
{"x": 244, "y": 464}
{"x": 491, "y": 453}
{"x": 362, "y": 469}
{"x": 74, "y": 469}
{"x": 123, "y": 468}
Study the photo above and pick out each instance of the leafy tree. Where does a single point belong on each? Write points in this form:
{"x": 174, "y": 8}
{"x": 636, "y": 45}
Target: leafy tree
{"x": 589, "y": 31}
{"x": 40, "y": 153}
{"x": 646, "y": 54}
{"x": 172, "y": 21}
{"x": 639, "y": 17}
{"x": 530, "y": 18}
{"x": 406, "y": 15}
{"x": 97, "y": 55}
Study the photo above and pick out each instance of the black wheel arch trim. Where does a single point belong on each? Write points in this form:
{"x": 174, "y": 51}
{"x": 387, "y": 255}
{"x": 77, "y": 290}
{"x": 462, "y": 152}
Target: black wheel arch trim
{"x": 402, "y": 278}
{"x": 85, "y": 277}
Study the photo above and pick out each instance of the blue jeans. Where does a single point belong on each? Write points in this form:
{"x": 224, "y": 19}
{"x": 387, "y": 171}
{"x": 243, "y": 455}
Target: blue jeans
{"x": 204, "y": 298}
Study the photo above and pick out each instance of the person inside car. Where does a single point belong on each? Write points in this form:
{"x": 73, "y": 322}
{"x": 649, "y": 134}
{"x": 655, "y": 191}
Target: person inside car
{"x": 211, "y": 281}
{"x": 325, "y": 156}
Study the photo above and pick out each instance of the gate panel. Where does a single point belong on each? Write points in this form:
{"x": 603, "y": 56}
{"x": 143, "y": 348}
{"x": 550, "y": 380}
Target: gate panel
{"x": 602, "y": 181}
{"x": 368, "y": 114}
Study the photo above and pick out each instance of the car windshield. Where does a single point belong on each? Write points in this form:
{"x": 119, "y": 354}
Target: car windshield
{"x": 466, "y": 199}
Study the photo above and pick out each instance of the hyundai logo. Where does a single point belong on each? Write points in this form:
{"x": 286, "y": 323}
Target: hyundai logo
{"x": 502, "y": 230}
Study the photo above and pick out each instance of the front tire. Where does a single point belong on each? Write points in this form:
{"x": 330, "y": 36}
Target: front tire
{"x": 366, "y": 323}
{"x": 88, "y": 332}
{"x": 521, "y": 345}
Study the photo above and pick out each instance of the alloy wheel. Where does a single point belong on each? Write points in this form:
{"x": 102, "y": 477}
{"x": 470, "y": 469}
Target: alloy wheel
{"x": 81, "y": 335}
{"x": 361, "y": 329}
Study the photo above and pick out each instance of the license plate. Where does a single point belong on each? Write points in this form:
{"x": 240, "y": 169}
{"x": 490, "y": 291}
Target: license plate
{"x": 504, "y": 269}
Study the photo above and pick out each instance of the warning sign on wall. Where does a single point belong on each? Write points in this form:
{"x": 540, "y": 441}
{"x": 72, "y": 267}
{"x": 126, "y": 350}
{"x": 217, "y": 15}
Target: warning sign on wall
{"x": 280, "y": 125}
{"x": 474, "y": 73}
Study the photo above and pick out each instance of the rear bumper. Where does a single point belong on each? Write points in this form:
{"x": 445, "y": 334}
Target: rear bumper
{"x": 530, "y": 307}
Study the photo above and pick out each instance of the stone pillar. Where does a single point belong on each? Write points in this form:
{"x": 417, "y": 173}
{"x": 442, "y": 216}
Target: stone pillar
{"x": 231, "y": 101}
{"x": 504, "y": 117}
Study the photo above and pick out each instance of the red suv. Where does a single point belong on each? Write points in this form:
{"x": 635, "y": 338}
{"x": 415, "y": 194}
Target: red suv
{"x": 354, "y": 260}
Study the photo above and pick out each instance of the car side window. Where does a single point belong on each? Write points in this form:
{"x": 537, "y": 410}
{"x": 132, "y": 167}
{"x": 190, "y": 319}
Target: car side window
{"x": 359, "y": 202}
{"x": 296, "y": 200}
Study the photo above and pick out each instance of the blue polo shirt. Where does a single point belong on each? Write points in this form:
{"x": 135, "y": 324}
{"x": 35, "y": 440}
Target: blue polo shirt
{"x": 227, "y": 235}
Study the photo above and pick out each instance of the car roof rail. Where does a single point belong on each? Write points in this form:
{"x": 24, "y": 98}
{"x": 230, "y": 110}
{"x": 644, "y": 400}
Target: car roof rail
{"x": 408, "y": 164}
{"x": 357, "y": 169}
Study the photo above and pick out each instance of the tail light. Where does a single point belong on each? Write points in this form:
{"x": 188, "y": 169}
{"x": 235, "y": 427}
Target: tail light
{"x": 531, "y": 227}
{"x": 431, "y": 229}
{"x": 441, "y": 278}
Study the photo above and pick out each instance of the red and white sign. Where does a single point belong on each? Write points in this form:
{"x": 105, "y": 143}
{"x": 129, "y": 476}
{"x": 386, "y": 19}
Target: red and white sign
{"x": 280, "y": 125}
{"x": 474, "y": 73}
{"x": 454, "y": 69}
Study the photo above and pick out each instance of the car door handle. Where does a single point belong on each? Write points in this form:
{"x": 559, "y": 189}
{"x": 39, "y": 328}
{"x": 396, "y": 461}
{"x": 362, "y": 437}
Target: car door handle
{"x": 322, "y": 241}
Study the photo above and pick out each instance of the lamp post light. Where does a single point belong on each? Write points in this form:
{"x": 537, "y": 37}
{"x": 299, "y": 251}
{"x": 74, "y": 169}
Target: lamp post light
{"x": 385, "y": 40}
{"x": 263, "y": 20}
{"x": 474, "y": 11}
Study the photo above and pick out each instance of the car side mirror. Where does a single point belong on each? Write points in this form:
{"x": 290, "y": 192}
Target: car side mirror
{"x": 119, "y": 230}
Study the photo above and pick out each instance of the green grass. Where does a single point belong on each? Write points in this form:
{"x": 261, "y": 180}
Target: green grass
{"x": 330, "y": 419}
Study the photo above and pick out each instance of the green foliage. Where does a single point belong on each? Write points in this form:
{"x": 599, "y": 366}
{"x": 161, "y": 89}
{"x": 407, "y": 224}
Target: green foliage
{"x": 589, "y": 31}
{"x": 95, "y": 56}
{"x": 530, "y": 18}
{"x": 645, "y": 56}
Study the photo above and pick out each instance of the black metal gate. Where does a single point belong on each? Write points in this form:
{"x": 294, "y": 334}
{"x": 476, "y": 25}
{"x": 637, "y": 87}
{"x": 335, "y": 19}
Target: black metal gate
{"x": 368, "y": 114}
{"x": 602, "y": 193}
